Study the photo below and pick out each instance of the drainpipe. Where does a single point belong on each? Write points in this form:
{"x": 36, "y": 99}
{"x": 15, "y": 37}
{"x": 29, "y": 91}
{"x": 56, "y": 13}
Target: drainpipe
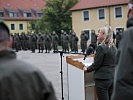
{"x": 109, "y": 17}
{"x": 109, "y": 13}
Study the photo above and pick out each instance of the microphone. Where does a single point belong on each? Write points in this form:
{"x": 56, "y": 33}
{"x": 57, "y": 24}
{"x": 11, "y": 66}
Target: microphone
{"x": 85, "y": 56}
{"x": 89, "y": 51}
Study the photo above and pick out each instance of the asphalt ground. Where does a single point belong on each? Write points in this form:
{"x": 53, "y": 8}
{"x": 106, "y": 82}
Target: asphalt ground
{"x": 50, "y": 65}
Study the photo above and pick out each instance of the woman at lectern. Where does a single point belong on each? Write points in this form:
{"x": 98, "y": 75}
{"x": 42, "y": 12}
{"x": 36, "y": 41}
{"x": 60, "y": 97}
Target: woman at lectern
{"x": 104, "y": 64}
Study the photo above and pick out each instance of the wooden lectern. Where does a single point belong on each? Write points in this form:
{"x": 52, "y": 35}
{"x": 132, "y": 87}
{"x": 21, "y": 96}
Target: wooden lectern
{"x": 81, "y": 84}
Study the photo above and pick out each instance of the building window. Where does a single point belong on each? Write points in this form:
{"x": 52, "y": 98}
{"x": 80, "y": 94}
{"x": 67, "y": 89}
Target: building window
{"x": 12, "y": 26}
{"x": 39, "y": 14}
{"x": 13, "y": 14}
{"x": 21, "y": 26}
{"x": 86, "y": 15}
{"x": 1, "y": 14}
{"x": 27, "y": 14}
{"x": 101, "y": 13}
{"x": 118, "y": 12}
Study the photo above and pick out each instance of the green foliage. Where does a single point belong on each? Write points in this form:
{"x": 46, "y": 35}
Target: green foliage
{"x": 56, "y": 16}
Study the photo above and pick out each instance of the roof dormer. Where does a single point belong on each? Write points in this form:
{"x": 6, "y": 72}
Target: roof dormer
{"x": 27, "y": 14}
{"x": 1, "y": 14}
{"x": 12, "y": 14}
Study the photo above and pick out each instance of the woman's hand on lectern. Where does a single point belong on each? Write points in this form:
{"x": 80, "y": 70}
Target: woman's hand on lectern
{"x": 88, "y": 69}
{"x": 85, "y": 68}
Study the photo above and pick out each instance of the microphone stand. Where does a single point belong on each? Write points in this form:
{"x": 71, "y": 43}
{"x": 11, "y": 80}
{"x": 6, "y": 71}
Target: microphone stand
{"x": 61, "y": 72}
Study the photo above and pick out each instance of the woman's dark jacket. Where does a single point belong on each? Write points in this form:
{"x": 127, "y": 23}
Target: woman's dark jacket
{"x": 104, "y": 62}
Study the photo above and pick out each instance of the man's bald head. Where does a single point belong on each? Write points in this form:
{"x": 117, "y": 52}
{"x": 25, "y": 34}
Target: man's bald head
{"x": 4, "y": 32}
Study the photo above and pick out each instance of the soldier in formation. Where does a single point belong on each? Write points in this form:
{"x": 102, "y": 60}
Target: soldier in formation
{"x": 40, "y": 42}
{"x": 118, "y": 37}
{"x": 65, "y": 42}
{"x": 70, "y": 39}
{"x": 93, "y": 39}
{"x": 55, "y": 40}
{"x": 33, "y": 42}
{"x": 47, "y": 43}
{"x": 83, "y": 42}
{"x": 74, "y": 43}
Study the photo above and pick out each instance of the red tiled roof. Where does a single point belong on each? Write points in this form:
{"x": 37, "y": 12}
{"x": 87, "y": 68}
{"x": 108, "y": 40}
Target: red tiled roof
{"x": 24, "y": 5}
{"x": 85, "y": 4}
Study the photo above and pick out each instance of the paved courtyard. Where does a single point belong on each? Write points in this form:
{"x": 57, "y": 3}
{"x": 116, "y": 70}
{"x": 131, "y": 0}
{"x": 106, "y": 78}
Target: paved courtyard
{"x": 50, "y": 65}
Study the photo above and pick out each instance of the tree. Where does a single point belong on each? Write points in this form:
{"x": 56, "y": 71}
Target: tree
{"x": 57, "y": 16}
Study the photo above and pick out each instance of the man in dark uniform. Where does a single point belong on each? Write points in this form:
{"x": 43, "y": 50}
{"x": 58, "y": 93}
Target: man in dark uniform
{"x": 40, "y": 43}
{"x": 20, "y": 80}
{"x": 83, "y": 41}
{"x": 74, "y": 42}
{"x": 93, "y": 39}
{"x": 22, "y": 40}
{"x": 118, "y": 37}
{"x": 65, "y": 42}
{"x": 16, "y": 42}
{"x": 62, "y": 37}
{"x": 47, "y": 41}
{"x": 70, "y": 39}
{"x": 123, "y": 82}
{"x": 55, "y": 40}
{"x": 33, "y": 42}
